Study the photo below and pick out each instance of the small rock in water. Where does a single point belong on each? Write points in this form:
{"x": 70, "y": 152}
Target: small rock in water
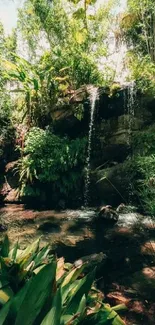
{"x": 107, "y": 213}
{"x": 122, "y": 208}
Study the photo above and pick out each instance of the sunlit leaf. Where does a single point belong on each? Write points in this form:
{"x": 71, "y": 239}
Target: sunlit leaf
{"x": 79, "y": 14}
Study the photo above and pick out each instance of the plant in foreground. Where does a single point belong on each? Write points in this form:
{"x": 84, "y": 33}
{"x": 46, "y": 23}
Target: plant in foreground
{"x": 38, "y": 289}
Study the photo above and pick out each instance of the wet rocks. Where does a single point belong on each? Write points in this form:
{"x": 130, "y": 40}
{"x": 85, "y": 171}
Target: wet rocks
{"x": 91, "y": 261}
{"x": 112, "y": 183}
{"x": 108, "y": 214}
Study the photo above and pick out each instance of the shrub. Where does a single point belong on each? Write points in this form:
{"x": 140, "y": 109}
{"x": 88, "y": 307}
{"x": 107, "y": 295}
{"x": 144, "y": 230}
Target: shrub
{"x": 144, "y": 157}
{"x": 50, "y": 292}
{"x": 7, "y": 135}
{"x": 146, "y": 182}
{"x": 52, "y": 161}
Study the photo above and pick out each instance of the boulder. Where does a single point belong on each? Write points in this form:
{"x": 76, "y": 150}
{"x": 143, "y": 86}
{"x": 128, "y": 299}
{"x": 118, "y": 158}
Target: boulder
{"x": 108, "y": 214}
{"x": 112, "y": 184}
{"x": 91, "y": 261}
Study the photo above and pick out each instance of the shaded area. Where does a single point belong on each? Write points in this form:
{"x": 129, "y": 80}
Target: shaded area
{"x": 125, "y": 270}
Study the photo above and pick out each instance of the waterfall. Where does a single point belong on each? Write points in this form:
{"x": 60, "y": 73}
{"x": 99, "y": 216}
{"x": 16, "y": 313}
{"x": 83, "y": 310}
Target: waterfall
{"x": 130, "y": 108}
{"x": 93, "y": 98}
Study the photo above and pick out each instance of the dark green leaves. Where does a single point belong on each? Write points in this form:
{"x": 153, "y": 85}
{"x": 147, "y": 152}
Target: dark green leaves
{"x": 53, "y": 317}
{"x": 51, "y": 295}
{"x": 29, "y": 302}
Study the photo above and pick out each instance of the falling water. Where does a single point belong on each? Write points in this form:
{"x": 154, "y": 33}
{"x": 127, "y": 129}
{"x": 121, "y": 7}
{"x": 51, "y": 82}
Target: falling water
{"x": 130, "y": 108}
{"x": 130, "y": 111}
{"x": 93, "y": 98}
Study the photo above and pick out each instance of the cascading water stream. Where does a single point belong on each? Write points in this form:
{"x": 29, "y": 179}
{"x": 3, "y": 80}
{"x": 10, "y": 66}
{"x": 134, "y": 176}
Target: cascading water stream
{"x": 93, "y": 98}
{"x": 130, "y": 108}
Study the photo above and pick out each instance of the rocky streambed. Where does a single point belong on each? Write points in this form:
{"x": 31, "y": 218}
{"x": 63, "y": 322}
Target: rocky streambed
{"x": 124, "y": 252}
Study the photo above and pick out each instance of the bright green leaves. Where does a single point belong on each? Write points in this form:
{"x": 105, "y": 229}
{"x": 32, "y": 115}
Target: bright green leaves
{"x": 26, "y": 306}
{"x": 54, "y": 294}
{"x": 54, "y": 315}
{"x": 52, "y": 160}
{"x": 79, "y": 14}
{"x": 38, "y": 293}
{"x": 81, "y": 36}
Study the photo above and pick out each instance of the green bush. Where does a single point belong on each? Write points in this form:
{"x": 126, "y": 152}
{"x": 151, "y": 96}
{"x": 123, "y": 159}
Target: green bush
{"x": 144, "y": 158}
{"x": 145, "y": 185}
{"x": 7, "y": 134}
{"x": 144, "y": 141}
{"x": 48, "y": 291}
{"x": 52, "y": 163}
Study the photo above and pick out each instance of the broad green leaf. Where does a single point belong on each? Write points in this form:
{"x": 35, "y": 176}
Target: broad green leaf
{"x": 32, "y": 248}
{"x": 67, "y": 319}
{"x": 83, "y": 288}
{"x": 119, "y": 307}
{"x": 36, "y": 84}
{"x": 82, "y": 307}
{"x": 53, "y": 317}
{"x": 3, "y": 281}
{"x": 41, "y": 256}
{"x": 4, "y": 313}
{"x": 5, "y": 295}
{"x": 10, "y": 309}
{"x": 36, "y": 296}
{"x": 13, "y": 252}
{"x": 68, "y": 289}
{"x": 5, "y": 247}
{"x": 73, "y": 275}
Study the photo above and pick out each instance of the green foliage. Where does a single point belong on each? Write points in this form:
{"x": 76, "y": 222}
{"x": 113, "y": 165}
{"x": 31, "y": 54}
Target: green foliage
{"x": 51, "y": 292}
{"x": 146, "y": 183}
{"x": 143, "y": 142}
{"x": 38, "y": 86}
{"x": 138, "y": 28}
{"x": 49, "y": 159}
{"x": 75, "y": 37}
{"x": 7, "y": 135}
{"x": 142, "y": 71}
{"x": 144, "y": 158}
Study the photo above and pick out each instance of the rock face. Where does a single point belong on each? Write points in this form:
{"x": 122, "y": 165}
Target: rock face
{"x": 112, "y": 183}
{"x": 118, "y": 122}
{"x": 115, "y": 122}
{"x": 9, "y": 192}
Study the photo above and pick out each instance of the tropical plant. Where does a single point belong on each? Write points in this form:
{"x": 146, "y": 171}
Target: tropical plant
{"x": 39, "y": 85}
{"x": 138, "y": 28}
{"x": 51, "y": 160}
{"x": 52, "y": 292}
{"x": 144, "y": 161}
{"x": 73, "y": 31}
